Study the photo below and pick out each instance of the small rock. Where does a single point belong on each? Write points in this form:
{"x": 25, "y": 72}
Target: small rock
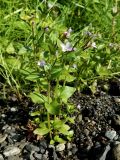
{"x": 11, "y": 151}
{"x": 116, "y": 152}
{"x": 13, "y": 158}
{"x": 97, "y": 145}
{"x": 116, "y": 119}
{"x": 42, "y": 150}
{"x": 6, "y": 127}
{"x": 53, "y": 152}
{"x": 116, "y": 137}
{"x": 69, "y": 153}
{"x": 111, "y": 134}
{"x": 13, "y": 109}
{"x": 3, "y": 115}
{"x": 3, "y": 138}
{"x": 74, "y": 150}
{"x": 31, "y": 156}
{"x": 117, "y": 100}
{"x": 80, "y": 118}
{"x": 37, "y": 156}
{"x": 69, "y": 146}
{"x": 86, "y": 119}
{"x": 45, "y": 156}
{"x": 103, "y": 157}
{"x": 4, "y": 144}
{"x": 43, "y": 143}
{"x": 60, "y": 147}
{"x": 16, "y": 137}
{"x": 116, "y": 142}
{"x": 93, "y": 133}
{"x": 86, "y": 131}
{"x": 1, "y": 157}
{"x": 31, "y": 147}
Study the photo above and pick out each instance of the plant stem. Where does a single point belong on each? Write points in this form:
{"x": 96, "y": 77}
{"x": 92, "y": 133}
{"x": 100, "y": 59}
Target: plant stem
{"x": 48, "y": 115}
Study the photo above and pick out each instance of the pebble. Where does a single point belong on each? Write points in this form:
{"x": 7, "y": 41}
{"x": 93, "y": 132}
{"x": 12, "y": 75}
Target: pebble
{"x": 42, "y": 150}
{"x": 45, "y": 156}
{"x": 31, "y": 156}
{"x": 74, "y": 150}
{"x": 116, "y": 120}
{"x": 69, "y": 146}
{"x": 6, "y": 127}
{"x": 3, "y": 138}
{"x": 13, "y": 109}
{"x": 116, "y": 142}
{"x": 54, "y": 155}
{"x": 3, "y": 115}
{"x": 43, "y": 143}
{"x": 116, "y": 137}
{"x": 80, "y": 118}
{"x": 87, "y": 132}
{"x": 103, "y": 157}
{"x": 32, "y": 148}
{"x": 69, "y": 153}
{"x": 116, "y": 152}
{"x": 111, "y": 134}
{"x": 11, "y": 151}
{"x": 117, "y": 100}
{"x": 13, "y": 158}
{"x": 1, "y": 157}
{"x": 16, "y": 137}
{"x": 37, "y": 156}
{"x": 60, "y": 147}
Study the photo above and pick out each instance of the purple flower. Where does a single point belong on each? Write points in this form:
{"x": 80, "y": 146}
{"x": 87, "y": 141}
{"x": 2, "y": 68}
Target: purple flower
{"x": 41, "y": 63}
{"x": 88, "y": 33}
{"x": 67, "y": 47}
{"x": 67, "y": 33}
{"x": 93, "y": 45}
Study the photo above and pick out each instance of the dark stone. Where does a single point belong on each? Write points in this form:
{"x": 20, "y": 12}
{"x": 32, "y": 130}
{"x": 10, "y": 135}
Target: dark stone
{"x": 31, "y": 148}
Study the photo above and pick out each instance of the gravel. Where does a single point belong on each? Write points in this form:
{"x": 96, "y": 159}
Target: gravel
{"x": 96, "y": 132}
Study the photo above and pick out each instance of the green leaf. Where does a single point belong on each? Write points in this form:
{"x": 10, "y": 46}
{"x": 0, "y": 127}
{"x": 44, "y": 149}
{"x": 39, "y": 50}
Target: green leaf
{"x": 53, "y": 107}
{"x": 52, "y": 141}
{"x": 66, "y": 92}
{"x": 41, "y": 131}
{"x": 70, "y": 135}
{"x": 70, "y": 108}
{"x": 93, "y": 86}
{"x": 64, "y": 129}
{"x": 33, "y": 77}
{"x": 57, "y": 124}
{"x": 38, "y": 98}
{"x": 66, "y": 76}
{"x": 102, "y": 71}
{"x": 58, "y": 139}
{"x": 22, "y": 51}
{"x": 10, "y": 48}
{"x": 56, "y": 72}
{"x": 36, "y": 113}
{"x": 13, "y": 63}
{"x": 71, "y": 119}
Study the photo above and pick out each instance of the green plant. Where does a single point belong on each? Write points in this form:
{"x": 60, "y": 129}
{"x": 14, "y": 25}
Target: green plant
{"x": 50, "y": 49}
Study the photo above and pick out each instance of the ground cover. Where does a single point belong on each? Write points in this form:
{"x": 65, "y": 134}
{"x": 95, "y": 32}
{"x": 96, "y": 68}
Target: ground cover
{"x": 59, "y": 79}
